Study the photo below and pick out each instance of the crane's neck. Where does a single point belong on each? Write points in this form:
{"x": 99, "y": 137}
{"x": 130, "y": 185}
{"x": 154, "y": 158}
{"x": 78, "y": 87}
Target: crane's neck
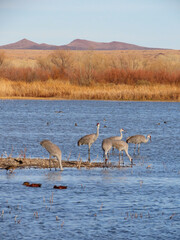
{"x": 97, "y": 134}
{"x": 121, "y": 134}
{"x": 147, "y": 139}
{"x": 130, "y": 158}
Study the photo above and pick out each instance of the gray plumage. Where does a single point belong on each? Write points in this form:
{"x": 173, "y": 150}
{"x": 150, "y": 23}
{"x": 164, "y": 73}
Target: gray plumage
{"x": 53, "y": 150}
{"x": 107, "y": 143}
{"x": 117, "y": 137}
{"x": 121, "y": 146}
{"x": 106, "y": 147}
{"x": 138, "y": 139}
{"x": 89, "y": 139}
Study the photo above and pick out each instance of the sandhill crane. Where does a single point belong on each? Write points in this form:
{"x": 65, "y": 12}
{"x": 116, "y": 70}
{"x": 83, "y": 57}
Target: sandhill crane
{"x": 138, "y": 139}
{"x": 89, "y": 140}
{"x": 117, "y": 137}
{"x": 106, "y": 147}
{"x": 107, "y": 143}
{"x": 122, "y": 146}
{"x": 53, "y": 151}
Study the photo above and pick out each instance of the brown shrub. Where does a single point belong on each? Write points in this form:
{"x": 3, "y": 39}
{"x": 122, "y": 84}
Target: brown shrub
{"x": 87, "y": 68}
{"x": 2, "y": 57}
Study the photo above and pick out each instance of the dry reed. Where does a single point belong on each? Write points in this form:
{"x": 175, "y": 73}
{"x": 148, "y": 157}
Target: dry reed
{"x": 101, "y": 75}
{"x": 64, "y": 90}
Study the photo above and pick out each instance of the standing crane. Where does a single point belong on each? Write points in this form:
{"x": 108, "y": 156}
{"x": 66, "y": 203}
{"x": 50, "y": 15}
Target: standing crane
{"x": 117, "y": 137}
{"x": 121, "y": 146}
{"x": 138, "y": 139}
{"x": 53, "y": 150}
{"x": 106, "y": 147}
{"x": 89, "y": 140}
{"x": 107, "y": 143}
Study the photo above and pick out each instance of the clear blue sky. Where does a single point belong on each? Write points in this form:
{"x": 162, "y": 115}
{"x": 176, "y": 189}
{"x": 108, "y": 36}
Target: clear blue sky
{"x": 149, "y": 23}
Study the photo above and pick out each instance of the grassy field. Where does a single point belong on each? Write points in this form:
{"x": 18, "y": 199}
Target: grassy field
{"x": 103, "y": 75}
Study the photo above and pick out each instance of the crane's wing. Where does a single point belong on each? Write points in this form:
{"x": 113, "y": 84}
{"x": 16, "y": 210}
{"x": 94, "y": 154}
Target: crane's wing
{"x": 87, "y": 139}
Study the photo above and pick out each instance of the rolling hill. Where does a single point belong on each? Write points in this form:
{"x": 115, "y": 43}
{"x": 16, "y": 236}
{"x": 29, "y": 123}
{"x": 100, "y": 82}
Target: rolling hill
{"x": 77, "y": 44}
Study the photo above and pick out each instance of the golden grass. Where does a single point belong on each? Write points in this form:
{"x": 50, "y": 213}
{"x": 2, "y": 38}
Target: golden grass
{"x": 137, "y": 59}
{"x": 56, "y": 89}
{"x": 24, "y": 57}
{"x": 102, "y": 75}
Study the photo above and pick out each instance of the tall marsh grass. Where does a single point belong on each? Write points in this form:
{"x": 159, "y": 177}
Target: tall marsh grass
{"x": 109, "y": 75}
{"x": 64, "y": 90}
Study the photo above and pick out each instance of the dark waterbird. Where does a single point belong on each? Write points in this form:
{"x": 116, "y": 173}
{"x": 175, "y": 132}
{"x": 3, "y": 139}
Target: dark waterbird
{"x": 60, "y": 187}
{"x": 27, "y": 184}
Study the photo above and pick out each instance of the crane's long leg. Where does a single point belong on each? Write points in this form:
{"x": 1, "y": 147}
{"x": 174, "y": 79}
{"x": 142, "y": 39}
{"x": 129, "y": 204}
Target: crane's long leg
{"x": 50, "y": 156}
{"x": 106, "y": 159}
{"x": 120, "y": 158}
{"x": 113, "y": 150}
{"x": 54, "y": 164}
{"x": 50, "y": 159}
{"x": 135, "y": 148}
{"x": 138, "y": 147}
{"x": 89, "y": 157}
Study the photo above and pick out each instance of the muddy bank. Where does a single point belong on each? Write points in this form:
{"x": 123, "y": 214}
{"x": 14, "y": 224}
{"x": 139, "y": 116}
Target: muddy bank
{"x": 13, "y": 163}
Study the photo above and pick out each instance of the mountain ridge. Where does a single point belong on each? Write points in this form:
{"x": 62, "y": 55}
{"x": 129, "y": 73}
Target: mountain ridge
{"x": 77, "y": 44}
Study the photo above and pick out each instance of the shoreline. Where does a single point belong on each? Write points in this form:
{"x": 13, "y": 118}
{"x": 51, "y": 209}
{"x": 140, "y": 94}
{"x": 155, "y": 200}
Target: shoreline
{"x": 20, "y": 163}
{"x": 74, "y": 99}
{"x": 10, "y": 164}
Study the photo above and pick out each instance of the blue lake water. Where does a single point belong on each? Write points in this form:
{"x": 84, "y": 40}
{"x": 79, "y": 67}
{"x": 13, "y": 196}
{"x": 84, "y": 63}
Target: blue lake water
{"x": 142, "y": 202}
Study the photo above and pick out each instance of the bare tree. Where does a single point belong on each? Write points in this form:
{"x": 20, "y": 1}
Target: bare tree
{"x": 62, "y": 59}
